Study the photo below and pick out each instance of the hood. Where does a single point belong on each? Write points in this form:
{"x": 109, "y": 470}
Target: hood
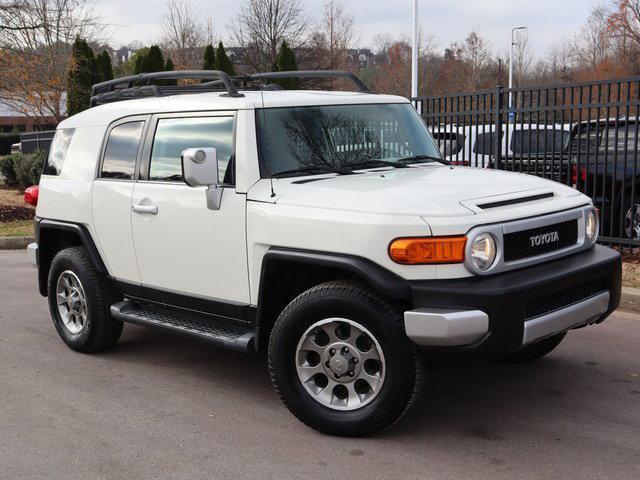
{"x": 424, "y": 190}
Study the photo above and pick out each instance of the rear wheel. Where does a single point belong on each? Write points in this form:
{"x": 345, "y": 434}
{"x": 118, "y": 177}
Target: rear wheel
{"x": 341, "y": 362}
{"x": 79, "y": 301}
{"x": 536, "y": 350}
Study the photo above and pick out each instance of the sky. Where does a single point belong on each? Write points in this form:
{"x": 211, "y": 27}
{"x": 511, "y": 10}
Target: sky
{"x": 548, "y": 21}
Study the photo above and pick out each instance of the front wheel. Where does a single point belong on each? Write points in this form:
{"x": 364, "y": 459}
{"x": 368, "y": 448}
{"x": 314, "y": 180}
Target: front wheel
{"x": 341, "y": 362}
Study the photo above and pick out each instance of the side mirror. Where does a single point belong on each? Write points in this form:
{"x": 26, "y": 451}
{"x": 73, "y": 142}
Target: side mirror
{"x": 200, "y": 169}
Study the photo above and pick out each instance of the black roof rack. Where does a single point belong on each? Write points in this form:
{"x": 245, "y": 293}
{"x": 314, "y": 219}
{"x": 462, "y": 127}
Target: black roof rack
{"x": 142, "y": 85}
{"x": 308, "y": 74}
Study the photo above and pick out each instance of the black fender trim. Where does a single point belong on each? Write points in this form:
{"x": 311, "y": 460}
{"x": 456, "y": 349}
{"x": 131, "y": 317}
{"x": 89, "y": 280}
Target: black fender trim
{"x": 386, "y": 282}
{"x": 45, "y": 225}
{"x": 382, "y": 280}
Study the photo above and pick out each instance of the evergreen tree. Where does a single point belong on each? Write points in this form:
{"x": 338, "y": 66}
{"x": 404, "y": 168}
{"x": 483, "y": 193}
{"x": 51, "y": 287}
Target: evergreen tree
{"x": 209, "y": 60}
{"x": 153, "y": 61}
{"x": 168, "y": 67}
{"x": 138, "y": 59}
{"x": 104, "y": 63}
{"x": 286, "y": 62}
{"x": 83, "y": 72}
{"x": 222, "y": 61}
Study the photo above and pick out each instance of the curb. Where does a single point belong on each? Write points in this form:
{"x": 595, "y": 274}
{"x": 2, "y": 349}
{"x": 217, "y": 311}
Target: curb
{"x": 15, "y": 243}
{"x": 630, "y": 299}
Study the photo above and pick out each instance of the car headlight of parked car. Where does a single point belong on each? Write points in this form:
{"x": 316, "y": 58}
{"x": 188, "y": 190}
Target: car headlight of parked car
{"x": 592, "y": 224}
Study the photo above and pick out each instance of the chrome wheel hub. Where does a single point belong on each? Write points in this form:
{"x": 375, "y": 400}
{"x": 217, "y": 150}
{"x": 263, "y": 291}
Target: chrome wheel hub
{"x": 632, "y": 222}
{"x": 72, "y": 302}
{"x": 340, "y": 364}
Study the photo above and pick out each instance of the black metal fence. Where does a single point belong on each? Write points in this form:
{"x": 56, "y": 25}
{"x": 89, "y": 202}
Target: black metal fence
{"x": 583, "y": 134}
{"x": 32, "y": 141}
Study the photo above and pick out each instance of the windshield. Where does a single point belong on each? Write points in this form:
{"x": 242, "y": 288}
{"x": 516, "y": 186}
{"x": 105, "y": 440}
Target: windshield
{"x": 338, "y": 138}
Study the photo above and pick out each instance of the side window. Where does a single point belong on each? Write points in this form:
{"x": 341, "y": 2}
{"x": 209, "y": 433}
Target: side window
{"x": 58, "y": 151}
{"x": 173, "y": 135}
{"x": 121, "y": 151}
{"x": 538, "y": 140}
{"x": 487, "y": 143}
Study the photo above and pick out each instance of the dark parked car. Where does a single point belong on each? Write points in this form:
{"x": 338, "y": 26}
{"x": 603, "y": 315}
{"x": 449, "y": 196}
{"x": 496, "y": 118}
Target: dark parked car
{"x": 604, "y": 165}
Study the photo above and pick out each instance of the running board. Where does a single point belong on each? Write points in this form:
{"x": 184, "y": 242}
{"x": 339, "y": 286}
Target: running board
{"x": 216, "y": 333}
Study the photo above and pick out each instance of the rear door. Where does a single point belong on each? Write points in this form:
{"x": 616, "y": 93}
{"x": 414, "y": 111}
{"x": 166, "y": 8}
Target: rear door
{"x": 182, "y": 246}
{"x": 112, "y": 193}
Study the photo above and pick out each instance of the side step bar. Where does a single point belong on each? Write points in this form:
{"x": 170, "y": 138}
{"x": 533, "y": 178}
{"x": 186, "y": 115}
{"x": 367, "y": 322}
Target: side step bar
{"x": 216, "y": 333}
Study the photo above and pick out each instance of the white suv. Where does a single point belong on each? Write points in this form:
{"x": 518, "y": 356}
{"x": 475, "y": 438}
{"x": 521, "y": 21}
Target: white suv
{"x": 322, "y": 228}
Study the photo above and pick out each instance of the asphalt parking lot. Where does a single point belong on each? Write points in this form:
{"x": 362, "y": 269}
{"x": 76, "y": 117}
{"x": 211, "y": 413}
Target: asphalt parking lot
{"x": 160, "y": 406}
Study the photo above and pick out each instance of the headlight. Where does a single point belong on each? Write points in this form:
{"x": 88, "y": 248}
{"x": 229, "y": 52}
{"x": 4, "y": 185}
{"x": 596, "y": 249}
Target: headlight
{"x": 483, "y": 251}
{"x": 591, "y": 227}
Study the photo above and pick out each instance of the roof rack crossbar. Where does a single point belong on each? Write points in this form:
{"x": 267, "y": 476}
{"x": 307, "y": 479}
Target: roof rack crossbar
{"x": 308, "y": 74}
{"x": 146, "y": 80}
{"x": 244, "y": 79}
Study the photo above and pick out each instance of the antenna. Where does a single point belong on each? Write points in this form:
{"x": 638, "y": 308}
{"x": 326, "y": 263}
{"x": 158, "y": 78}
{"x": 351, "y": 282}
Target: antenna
{"x": 266, "y": 139}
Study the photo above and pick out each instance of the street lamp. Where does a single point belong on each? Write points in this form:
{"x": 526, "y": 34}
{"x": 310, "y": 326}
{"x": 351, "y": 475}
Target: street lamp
{"x": 511, "y": 112}
{"x": 414, "y": 52}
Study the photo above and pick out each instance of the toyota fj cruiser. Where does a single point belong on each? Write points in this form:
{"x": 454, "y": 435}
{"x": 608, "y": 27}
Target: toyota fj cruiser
{"x": 323, "y": 228}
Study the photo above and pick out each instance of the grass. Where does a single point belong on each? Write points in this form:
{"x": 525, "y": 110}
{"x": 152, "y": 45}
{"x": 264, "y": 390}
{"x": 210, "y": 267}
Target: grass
{"x": 19, "y": 228}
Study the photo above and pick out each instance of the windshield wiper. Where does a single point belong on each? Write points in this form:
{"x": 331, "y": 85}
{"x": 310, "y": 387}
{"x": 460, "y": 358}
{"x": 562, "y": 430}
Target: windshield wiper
{"x": 423, "y": 159}
{"x": 313, "y": 169}
{"x": 376, "y": 163}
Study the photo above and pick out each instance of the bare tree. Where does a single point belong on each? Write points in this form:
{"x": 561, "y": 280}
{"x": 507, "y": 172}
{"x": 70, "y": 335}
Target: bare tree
{"x": 591, "y": 45}
{"x": 381, "y": 44}
{"x": 336, "y": 35}
{"x": 34, "y": 52}
{"x": 262, "y": 25}
{"x": 624, "y": 20}
{"x": 522, "y": 56}
{"x": 185, "y": 34}
{"x": 10, "y": 8}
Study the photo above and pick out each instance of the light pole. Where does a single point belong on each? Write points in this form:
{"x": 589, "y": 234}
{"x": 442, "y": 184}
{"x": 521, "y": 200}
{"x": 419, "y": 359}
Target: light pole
{"x": 414, "y": 52}
{"x": 511, "y": 112}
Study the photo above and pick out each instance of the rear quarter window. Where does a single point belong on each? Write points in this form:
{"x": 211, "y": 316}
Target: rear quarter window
{"x": 58, "y": 151}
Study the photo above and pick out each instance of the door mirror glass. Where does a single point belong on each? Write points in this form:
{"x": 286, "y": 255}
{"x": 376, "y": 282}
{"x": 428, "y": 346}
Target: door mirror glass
{"x": 200, "y": 167}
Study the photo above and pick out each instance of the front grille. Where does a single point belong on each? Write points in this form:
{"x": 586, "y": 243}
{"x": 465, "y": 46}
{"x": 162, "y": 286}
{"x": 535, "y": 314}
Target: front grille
{"x": 563, "y": 298}
{"x": 538, "y": 241}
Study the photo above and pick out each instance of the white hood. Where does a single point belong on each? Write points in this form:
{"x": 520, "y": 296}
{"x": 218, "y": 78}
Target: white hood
{"x": 429, "y": 191}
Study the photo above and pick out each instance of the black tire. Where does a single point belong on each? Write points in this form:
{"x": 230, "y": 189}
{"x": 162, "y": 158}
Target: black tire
{"x": 628, "y": 217}
{"x": 101, "y": 330}
{"x": 403, "y": 374}
{"x": 536, "y": 350}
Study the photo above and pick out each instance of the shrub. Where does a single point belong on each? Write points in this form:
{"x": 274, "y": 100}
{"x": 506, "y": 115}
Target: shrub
{"x": 7, "y": 171}
{"x": 22, "y": 170}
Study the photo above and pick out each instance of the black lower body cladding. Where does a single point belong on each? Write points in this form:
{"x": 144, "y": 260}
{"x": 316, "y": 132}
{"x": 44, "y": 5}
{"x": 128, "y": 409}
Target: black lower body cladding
{"x": 511, "y": 298}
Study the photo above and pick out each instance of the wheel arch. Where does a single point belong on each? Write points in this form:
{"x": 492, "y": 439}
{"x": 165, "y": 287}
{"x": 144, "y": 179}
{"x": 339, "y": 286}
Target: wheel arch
{"x": 55, "y": 235}
{"x": 286, "y": 273}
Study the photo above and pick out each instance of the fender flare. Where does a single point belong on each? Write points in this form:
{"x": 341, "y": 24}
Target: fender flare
{"x": 380, "y": 279}
{"x": 43, "y": 226}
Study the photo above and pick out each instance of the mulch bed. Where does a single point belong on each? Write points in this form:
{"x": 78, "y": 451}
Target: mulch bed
{"x": 10, "y": 213}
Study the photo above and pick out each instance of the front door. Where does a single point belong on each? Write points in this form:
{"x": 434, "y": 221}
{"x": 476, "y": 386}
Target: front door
{"x": 181, "y": 246}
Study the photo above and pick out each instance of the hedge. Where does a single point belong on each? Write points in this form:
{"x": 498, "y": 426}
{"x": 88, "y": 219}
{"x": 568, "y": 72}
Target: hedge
{"x": 22, "y": 170}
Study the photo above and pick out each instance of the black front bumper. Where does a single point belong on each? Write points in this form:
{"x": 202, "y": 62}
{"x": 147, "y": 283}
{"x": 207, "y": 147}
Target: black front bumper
{"x": 513, "y": 297}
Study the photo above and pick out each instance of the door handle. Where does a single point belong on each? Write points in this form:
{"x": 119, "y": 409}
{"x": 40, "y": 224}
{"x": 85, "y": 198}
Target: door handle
{"x": 149, "y": 209}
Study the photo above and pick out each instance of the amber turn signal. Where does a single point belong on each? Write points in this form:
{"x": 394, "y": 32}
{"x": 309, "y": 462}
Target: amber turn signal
{"x": 419, "y": 251}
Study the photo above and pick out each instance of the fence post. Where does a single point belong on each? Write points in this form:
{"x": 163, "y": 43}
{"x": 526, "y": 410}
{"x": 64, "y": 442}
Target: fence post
{"x": 498, "y": 127}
